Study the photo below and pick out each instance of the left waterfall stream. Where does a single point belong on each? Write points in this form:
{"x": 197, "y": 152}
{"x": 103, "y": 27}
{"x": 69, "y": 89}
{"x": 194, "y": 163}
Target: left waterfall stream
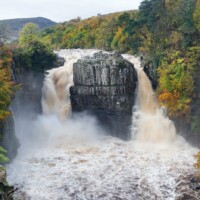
{"x": 73, "y": 159}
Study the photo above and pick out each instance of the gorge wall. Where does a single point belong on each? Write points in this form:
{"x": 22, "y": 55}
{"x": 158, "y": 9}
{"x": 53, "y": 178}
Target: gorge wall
{"x": 26, "y": 103}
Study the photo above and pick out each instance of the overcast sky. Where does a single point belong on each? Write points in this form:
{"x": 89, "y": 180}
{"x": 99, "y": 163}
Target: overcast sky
{"x": 62, "y": 10}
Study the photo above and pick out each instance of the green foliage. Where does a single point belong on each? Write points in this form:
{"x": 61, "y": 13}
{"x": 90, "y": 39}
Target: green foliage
{"x": 158, "y": 26}
{"x": 6, "y": 91}
{"x": 193, "y": 56}
{"x": 96, "y": 32}
{"x": 176, "y": 85}
{"x": 33, "y": 53}
{"x": 28, "y": 34}
{"x": 3, "y": 158}
{"x": 6, "y": 85}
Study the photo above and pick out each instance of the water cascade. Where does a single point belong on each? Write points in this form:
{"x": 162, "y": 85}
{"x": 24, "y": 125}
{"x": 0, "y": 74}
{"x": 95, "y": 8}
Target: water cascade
{"x": 55, "y": 92}
{"x": 55, "y": 99}
{"x": 149, "y": 121}
{"x": 63, "y": 159}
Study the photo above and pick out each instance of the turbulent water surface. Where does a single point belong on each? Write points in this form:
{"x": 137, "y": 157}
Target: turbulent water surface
{"x": 74, "y": 159}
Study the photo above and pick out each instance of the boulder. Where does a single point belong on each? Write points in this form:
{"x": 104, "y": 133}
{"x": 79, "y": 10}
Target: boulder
{"x": 104, "y": 85}
{"x": 6, "y": 191}
{"x": 60, "y": 61}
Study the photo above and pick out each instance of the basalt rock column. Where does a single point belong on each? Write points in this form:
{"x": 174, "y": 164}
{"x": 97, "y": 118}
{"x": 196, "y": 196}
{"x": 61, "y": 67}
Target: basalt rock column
{"x": 104, "y": 85}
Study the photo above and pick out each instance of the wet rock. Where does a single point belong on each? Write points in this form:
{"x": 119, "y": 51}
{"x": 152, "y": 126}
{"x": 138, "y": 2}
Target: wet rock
{"x": 151, "y": 72}
{"x": 188, "y": 188}
{"x": 186, "y": 196}
{"x": 59, "y": 61}
{"x": 195, "y": 182}
{"x": 6, "y": 191}
{"x": 104, "y": 85}
{"x": 2, "y": 175}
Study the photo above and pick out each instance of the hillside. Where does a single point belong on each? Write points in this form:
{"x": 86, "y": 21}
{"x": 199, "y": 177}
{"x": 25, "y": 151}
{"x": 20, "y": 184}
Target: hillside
{"x": 165, "y": 33}
{"x": 94, "y": 32}
{"x": 14, "y": 25}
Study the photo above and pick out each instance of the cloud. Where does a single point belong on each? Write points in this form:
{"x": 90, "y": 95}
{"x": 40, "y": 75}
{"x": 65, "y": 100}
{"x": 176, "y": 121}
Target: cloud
{"x": 62, "y": 10}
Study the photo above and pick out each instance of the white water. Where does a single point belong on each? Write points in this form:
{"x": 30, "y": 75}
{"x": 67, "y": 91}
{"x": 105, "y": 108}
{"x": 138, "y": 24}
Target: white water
{"x": 69, "y": 160}
{"x": 56, "y": 96}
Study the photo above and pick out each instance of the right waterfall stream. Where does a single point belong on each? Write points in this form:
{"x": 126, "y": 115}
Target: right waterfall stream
{"x": 149, "y": 121}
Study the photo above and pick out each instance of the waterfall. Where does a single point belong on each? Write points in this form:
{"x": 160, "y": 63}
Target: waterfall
{"x": 70, "y": 159}
{"x": 55, "y": 92}
{"x": 149, "y": 121}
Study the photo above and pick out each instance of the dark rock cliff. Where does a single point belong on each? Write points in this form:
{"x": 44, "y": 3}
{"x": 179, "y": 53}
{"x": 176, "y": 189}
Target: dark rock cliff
{"x": 104, "y": 85}
{"x": 8, "y": 139}
{"x": 150, "y": 70}
{"x": 28, "y": 99}
{"x": 25, "y": 105}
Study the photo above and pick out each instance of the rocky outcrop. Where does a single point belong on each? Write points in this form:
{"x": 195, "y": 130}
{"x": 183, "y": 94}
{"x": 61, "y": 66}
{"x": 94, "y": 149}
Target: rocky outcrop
{"x": 59, "y": 61}
{"x": 104, "y": 85}
{"x": 188, "y": 188}
{"x": 9, "y": 140}
{"x": 6, "y": 191}
{"x": 151, "y": 72}
{"x": 31, "y": 83}
{"x": 26, "y": 103}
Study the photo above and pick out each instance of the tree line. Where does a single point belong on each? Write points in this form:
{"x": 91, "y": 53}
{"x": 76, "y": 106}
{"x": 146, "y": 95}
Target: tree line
{"x": 165, "y": 32}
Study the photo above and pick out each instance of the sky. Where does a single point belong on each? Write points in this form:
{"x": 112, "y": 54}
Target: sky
{"x": 63, "y": 10}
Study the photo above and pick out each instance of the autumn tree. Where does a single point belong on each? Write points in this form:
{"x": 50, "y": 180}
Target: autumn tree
{"x": 176, "y": 85}
{"x": 33, "y": 53}
{"x": 6, "y": 90}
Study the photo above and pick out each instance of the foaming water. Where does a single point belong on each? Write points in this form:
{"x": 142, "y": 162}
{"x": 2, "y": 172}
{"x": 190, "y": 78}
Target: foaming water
{"x": 72, "y": 158}
{"x": 107, "y": 169}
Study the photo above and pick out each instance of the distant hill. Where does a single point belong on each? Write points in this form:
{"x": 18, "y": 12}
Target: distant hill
{"x": 15, "y": 25}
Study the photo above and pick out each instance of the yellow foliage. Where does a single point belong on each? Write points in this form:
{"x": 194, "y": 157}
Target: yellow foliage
{"x": 197, "y": 164}
{"x": 6, "y": 85}
{"x": 176, "y": 85}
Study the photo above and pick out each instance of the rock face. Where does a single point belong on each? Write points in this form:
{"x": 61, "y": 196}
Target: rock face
{"x": 150, "y": 70}
{"x": 26, "y": 104}
{"x": 188, "y": 188}
{"x": 104, "y": 85}
{"x": 6, "y": 191}
{"x": 59, "y": 61}
{"x": 8, "y": 139}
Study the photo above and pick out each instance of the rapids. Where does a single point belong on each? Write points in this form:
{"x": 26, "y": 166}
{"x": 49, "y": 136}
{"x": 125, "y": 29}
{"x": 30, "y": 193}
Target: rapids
{"x": 74, "y": 159}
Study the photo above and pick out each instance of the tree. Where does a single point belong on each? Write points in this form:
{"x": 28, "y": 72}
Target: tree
{"x": 28, "y": 34}
{"x": 6, "y": 91}
{"x": 33, "y": 54}
{"x": 176, "y": 84}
